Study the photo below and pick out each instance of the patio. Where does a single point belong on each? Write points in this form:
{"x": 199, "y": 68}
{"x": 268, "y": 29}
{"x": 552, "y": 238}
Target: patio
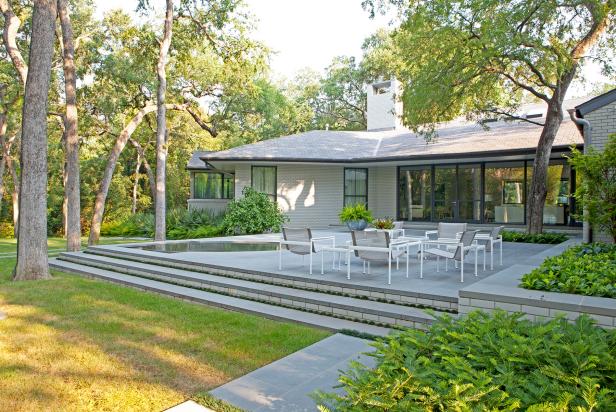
{"x": 442, "y": 284}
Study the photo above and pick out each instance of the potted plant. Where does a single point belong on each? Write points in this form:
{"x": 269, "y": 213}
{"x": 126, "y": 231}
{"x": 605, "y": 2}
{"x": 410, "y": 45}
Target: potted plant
{"x": 383, "y": 224}
{"x": 356, "y": 216}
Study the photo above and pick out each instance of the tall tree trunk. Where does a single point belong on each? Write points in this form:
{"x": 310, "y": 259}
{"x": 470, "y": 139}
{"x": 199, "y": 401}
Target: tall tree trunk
{"x": 160, "y": 209}
{"x": 71, "y": 188}
{"x": 136, "y": 184}
{"x": 3, "y": 144}
{"x": 11, "y": 26}
{"x": 32, "y": 232}
{"x": 101, "y": 194}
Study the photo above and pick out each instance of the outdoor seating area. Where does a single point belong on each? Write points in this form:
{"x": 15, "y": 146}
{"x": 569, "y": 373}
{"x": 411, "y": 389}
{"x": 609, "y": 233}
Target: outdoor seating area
{"x": 451, "y": 241}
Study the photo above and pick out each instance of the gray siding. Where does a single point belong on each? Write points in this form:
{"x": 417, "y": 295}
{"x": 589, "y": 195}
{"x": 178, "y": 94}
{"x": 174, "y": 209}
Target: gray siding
{"x": 603, "y": 124}
{"x": 382, "y": 196}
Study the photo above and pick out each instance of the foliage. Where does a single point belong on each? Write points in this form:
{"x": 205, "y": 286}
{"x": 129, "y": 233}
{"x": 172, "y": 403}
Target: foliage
{"x": 588, "y": 269}
{"x": 253, "y": 213}
{"x": 355, "y": 212}
{"x": 338, "y": 98}
{"x": 213, "y": 403}
{"x": 385, "y": 223}
{"x": 181, "y": 224}
{"x": 487, "y": 57}
{"x": 545, "y": 238}
{"x": 7, "y": 230}
{"x": 486, "y": 362}
{"x": 597, "y": 192}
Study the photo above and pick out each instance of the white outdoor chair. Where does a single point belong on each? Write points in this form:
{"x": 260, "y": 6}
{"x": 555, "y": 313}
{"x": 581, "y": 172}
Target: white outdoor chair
{"x": 492, "y": 238}
{"x": 300, "y": 242}
{"x": 376, "y": 246}
{"x": 463, "y": 247}
{"x": 398, "y": 230}
{"x": 446, "y": 232}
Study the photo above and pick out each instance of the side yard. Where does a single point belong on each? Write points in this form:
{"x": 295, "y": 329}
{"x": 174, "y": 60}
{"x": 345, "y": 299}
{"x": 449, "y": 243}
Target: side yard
{"x": 77, "y": 344}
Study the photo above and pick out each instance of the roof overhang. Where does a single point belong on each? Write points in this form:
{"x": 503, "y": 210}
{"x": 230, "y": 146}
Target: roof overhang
{"x": 596, "y": 103}
{"x": 491, "y": 154}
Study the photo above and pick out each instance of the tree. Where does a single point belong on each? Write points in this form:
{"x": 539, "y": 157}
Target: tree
{"x": 484, "y": 57}
{"x": 160, "y": 205}
{"x": 71, "y": 139}
{"x": 32, "y": 232}
{"x": 597, "y": 192}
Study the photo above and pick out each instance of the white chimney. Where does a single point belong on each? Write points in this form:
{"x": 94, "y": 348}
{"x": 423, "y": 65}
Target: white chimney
{"x": 384, "y": 105}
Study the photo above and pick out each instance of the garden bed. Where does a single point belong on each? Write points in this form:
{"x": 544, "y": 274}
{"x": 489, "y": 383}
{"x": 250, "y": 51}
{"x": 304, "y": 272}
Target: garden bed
{"x": 483, "y": 361}
{"x": 543, "y": 238}
{"x": 588, "y": 270}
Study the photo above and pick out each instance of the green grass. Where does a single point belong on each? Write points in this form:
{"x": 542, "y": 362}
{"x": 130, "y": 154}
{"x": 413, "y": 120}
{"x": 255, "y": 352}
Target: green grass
{"x": 72, "y": 343}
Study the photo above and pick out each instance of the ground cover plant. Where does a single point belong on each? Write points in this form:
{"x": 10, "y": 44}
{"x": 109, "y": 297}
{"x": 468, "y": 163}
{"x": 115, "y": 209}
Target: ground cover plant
{"x": 486, "y": 362}
{"x": 588, "y": 269}
{"x": 181, "y": 224}
{"x": 544, "y": 238}
{"x": 71, "y": 343}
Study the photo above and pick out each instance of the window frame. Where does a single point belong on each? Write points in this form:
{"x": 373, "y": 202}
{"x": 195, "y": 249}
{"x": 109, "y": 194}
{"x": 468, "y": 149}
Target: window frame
{"x": 225, "y": 177}
{"x": 344, "y": 191}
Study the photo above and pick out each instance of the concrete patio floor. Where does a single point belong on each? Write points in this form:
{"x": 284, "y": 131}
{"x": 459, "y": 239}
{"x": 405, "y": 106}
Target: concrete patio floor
{"x": 442, "y": 283}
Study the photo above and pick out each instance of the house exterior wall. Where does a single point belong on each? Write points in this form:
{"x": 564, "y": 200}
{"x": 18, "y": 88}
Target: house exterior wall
{"x": 311, "y": 195}
{"x": 603, "y": 124}
{"x": 382, "y": 196}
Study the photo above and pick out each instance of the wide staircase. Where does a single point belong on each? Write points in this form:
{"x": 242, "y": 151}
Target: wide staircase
{"x": 325, "y": 308}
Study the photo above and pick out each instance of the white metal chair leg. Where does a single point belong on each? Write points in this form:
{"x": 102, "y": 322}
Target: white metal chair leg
{"x": 407, "y": 261}
{"x": 310, "y": 260}
{"x": 462, "y": 268}
{"x": 491, "y": 254}
{"x": 476, "y": 251}
{"x": 348, "y": 262}
{"x": 501, "y": 251}
{"x": 280, "y": 256}
{"x": 388, "y": 268}
{"x": 421, "y": 259}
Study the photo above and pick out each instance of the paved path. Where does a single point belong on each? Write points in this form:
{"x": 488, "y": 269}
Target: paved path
{"x": 285, "y": 385}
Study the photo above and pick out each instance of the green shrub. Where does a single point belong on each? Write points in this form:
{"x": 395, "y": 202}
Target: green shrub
{"x": 485, "y": 362}
{"x": 585, "y": 270}
{"x": 355, "y": 212}
{"x": 210, "y": 402}
{"x": 201, "y": 232}
{"x": 6, "y": 230}
{"x": 546, "y": 238}
{"x": 253, "y": 213}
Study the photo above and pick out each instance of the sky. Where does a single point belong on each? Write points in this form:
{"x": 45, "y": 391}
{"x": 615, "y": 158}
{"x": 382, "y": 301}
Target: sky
{"x": 310, "y": 33}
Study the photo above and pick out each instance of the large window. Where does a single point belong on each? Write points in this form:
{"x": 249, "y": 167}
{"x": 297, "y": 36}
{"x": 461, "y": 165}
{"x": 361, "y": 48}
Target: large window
{"x": 355, "y": 186}
{"x": 264, "y": 180}
{"x": 487, "y": 192}
{"x": 213, "y": 186}
{"x": 504, "y": 193}
{"x": 415, "y": 193}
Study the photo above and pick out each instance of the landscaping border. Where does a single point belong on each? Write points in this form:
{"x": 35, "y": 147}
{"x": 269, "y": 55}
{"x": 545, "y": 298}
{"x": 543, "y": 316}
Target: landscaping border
{"x": 502, "y": 291}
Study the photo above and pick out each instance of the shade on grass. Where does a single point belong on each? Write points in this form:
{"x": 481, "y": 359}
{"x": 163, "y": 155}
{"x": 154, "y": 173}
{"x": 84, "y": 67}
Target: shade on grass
{"x": 77, "y": 344}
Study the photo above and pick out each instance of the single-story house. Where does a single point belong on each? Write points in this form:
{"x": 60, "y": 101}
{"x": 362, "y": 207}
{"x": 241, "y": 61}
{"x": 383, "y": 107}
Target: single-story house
{"x": 466, "y": 174}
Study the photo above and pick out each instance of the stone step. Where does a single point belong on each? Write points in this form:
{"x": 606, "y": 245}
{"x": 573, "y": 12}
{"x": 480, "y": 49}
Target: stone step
{"x": 325, "y": 303}
{"x": 404, "y": 297}
{"x": 218, "y": 300}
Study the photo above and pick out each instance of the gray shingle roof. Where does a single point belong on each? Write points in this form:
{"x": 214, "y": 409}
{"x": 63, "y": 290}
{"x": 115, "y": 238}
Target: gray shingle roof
{"x": 195, "y": 162}
{"x": 458, "y": 137}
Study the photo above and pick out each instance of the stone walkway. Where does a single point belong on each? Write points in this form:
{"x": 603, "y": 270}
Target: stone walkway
{"x": 285, "y": 385}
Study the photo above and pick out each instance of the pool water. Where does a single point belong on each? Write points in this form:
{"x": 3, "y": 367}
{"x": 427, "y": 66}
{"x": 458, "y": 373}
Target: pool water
{"x": 198, "y": 246}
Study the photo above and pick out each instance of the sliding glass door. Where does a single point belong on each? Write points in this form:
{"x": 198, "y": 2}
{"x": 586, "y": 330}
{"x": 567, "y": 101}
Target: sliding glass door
{"x": 415, "y": 201}
{"x": 445, "y": 197}
{"x": 469, "y": 193}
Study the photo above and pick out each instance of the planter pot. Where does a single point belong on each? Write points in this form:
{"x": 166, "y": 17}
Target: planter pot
{"x": 357, "y": 224}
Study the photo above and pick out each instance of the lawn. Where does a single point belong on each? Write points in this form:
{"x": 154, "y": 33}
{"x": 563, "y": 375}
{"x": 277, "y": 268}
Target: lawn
{"x": 72, "y": 343}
